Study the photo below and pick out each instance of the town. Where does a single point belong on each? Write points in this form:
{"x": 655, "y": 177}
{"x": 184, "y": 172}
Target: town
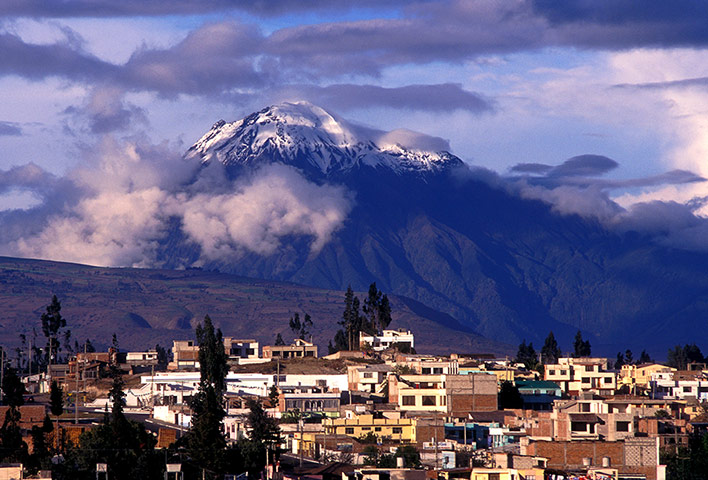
{"x": 224, "y": 407}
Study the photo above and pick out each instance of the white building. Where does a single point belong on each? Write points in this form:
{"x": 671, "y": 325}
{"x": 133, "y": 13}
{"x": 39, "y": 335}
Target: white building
{"x": 389, "y": 338}
{"x": 665, "y": 386}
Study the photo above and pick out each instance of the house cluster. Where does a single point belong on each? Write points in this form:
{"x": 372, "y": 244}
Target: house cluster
{"x": 579, "y": 419}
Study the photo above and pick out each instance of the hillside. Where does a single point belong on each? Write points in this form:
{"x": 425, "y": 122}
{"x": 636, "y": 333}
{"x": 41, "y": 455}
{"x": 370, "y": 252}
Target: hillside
{"x": 145, "y": 307}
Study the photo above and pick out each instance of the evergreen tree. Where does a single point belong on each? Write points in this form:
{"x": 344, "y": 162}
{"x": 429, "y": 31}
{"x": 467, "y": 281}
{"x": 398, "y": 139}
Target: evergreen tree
{"x": 56, "y": 399}
{"x": 205, "y": 441}
{"x": 274, "y": 396}
{"x": 279, "y": 340}
{"x": 550, "y": 353}
{"x": 527, "y": 355}
{"x": 264, "y": 429}
{"x": 644, "y": 358}
{"x": 52, "y": 323}
{"x": 509, "y": 396}
{"x": 213, "y": 361}
{"x": 581, "y": 347}
{"x": 301, "y": 329}
{"x": 628, "y": 357}
{"x": 12, "y": 447}
{"x": 620, "y": 361}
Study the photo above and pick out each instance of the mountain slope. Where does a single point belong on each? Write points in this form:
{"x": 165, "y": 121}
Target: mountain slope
{"x": 424, "y": 226}
{"x": 145, "y": 307}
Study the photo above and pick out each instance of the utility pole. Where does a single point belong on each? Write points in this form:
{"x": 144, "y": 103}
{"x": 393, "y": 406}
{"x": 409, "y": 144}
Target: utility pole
{"x": 76, "y": 391}
{"x": 299, "y": 424}
{"x": 2, "y": 370}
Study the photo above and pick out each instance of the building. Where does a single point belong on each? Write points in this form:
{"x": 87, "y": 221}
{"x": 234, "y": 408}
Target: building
{"x": 454, "y": 395}
{"x": 575, "y": 375}
{"x": 403, "y": 340}
{"x": 679, "y": 387}
{"x": 298, "y": 349}
{"x": 386, "y": 428}
{"x": 633, "y": 456}
{"x": 538, "y": 394}
{"x": 148, "y": 358}
{"x": 242, "y": 350}
{"x": 309, "y": 400}
{"x": 185, "y": 355}
{"x": 638, "y": 376}
{"x": 368, "y": 378}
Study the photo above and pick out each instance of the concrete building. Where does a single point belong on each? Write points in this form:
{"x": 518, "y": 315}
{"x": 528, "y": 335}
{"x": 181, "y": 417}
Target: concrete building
{"x": 241, "y": 349}
{"x": 454, "y": 395}
{"x": 401, "y": 339}
{"x": 368, "y": 378}
{"x": 185, "y": 355}
{"x": 298, "y": 349}
{"x": 576, "y": 375}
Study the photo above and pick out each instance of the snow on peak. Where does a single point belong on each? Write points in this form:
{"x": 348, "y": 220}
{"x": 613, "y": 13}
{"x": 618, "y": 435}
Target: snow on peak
{"x": 302, "y": 133}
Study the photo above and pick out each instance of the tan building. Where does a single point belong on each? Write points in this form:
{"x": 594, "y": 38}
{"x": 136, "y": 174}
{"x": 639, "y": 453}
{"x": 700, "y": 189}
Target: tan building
{"x": 298, "y": 349}
{"x": 575, "y": 375}
{"x": 454, "y": 395}
{"x": 639, "y": 376}
{"x": 185, "y": 355}
{"x": 241, "y": 349}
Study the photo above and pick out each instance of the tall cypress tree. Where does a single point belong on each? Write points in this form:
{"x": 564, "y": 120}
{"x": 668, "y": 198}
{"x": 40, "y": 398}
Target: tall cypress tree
{"x": 205, "y": 441}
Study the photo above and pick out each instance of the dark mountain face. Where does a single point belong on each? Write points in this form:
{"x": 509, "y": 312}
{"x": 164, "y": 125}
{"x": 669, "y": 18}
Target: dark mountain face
{"x": 424, "y": 227}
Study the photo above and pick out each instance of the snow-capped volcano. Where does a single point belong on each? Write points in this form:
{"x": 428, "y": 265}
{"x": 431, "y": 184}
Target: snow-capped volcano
{"x": 308, "y": 137}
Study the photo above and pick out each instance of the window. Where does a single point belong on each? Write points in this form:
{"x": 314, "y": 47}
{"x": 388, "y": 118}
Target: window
{"x": 428, "y": 401}
{"x": 250, "y": 351}
{"x": 377, "y": 429}
{"x": 578, "y": 426}
{"x": 586, "y": 379}
{"x": 425, "y": 371}
{"x": 686, "y": 389}
{"x": 551, "y": 372}
{"x": 349, "y": 430}
{"x": 622, "y": 426}
{"x": 584, "y": 407}
{"x": 437, "y": 370}
{"x": 368, "y": 375}
{"x": 588, "y": 368}
{"x": 563, "y": 372}
{"x": 408, "y": 400}
{"x": 397, "y": 430}
{"x": 365, "y": 429}
{"x": 607, "y": 379}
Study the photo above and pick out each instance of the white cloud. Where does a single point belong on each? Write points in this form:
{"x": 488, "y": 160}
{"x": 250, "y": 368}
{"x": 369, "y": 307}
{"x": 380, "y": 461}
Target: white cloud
{"x": 277, "y": 202}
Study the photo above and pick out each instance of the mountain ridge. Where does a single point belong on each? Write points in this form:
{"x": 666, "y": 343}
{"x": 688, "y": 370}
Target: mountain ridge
{"x": 508, "y": 267}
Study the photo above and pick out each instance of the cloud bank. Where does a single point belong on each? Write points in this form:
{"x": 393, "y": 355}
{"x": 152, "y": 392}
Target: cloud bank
{"x": 129, "y": 196}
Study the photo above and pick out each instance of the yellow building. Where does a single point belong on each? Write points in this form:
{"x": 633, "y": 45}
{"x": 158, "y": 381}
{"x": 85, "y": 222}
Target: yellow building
{"x": 640, "y": 375}
{"x": 394, "y": 429}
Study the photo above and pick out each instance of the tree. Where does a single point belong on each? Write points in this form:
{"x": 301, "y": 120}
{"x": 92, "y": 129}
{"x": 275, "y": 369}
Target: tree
{"x": 377, "y": 311}
{"x": 679, "y": 357}
{"x": 301, "y": 329}
{"x": 644, "y": 358}
{"x": 213, "y": 361}
{"x": 509, "y": 396}
{"x": 162, "y": 357}
{"x": 52, "y": 323}
{"x": 56, "y": 399}
{"x": 620, "y": 361}
{"x": 527, "y": 355}
{"x": 205, "y": 441}
{"x": 279, "y": 340}
{"x": 274, "y": 396}
{"x": 629, "y": 357}
{"x": 14, "y": 449}
{"x": 550, "y": 353}
{"x": 581, "y": 347}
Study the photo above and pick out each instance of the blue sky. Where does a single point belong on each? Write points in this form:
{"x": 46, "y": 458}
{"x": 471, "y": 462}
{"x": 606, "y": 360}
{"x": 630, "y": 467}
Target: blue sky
{"x": 504, "y": 82}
